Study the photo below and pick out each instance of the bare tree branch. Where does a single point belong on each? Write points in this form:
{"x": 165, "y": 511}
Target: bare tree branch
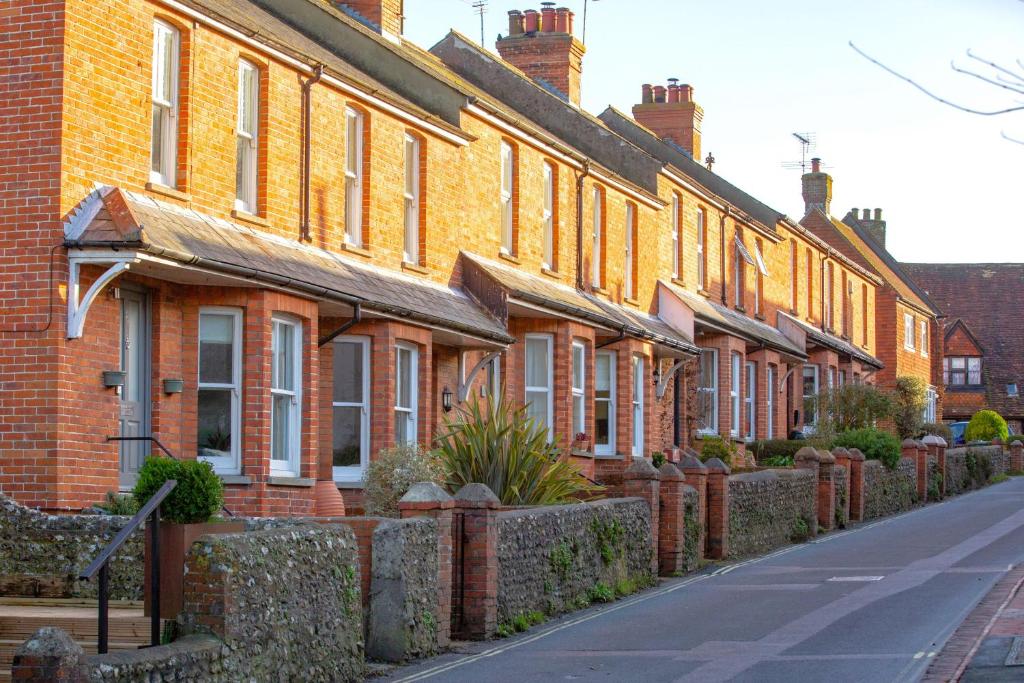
{"x": 930, "y": 94}
{"x": 1019, "y": 89}
{"x": 1019, "y": 77}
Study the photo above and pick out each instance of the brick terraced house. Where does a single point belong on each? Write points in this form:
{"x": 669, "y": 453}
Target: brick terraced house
{"x": 275, "y": 235}
{"x": 907, "y": 322}
{"x": 983, "y": 342}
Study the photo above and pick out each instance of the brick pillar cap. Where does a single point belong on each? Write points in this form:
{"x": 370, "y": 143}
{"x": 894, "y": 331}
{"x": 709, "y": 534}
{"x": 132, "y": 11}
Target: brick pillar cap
{"x": 669, "y": 472}
{"x": 716, "y": 465}
{"x": 50, "y": 642}
{"x": 855, "y": 454}
{"x": 825, "y": 457}
{"x": 426, "y": 492}
{"x": 933, "y": 440}
{"x": 840, "y": 452}
{"x": 807, "y": 453}
{"x": 691, "y": 462}
{"x": 908, "y": 443}
{"x": 997, "y": 441}
{"x": 1015, "y": 444}
{"x": 640, "y": 469}
{"x": 476, "y": 496}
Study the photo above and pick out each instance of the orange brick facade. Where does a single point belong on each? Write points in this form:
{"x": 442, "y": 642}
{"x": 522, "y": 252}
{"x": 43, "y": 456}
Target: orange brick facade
{"x": 80, "y": 116}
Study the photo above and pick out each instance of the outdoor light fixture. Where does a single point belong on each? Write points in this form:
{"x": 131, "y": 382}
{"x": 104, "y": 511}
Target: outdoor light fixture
{"x": 113, "y": 379}
{"x": 446, "y": 400}
{"x": 174, "y": 386}
{"x": 657, "y": 372}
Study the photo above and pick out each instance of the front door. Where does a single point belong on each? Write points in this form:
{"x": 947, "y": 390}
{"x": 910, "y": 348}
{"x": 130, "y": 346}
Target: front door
{"x": 135, "y": 363}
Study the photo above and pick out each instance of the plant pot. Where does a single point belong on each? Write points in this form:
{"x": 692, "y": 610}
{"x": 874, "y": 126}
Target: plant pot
{"x": 175, "y": 542}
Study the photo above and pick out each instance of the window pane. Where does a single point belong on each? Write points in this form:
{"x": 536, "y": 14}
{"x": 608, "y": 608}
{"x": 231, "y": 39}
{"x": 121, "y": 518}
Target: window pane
{"x": 602, "y": 378}
{"x": 403, "y": 374}
{"x": 216, "y": 343}
{"x": 958, "y": 363}
{"x": 577, "y": 367}
{"x": 536, "y": 362}
{"x": 602, "y": 422}
{"x": 537, "y": 406}
{"x": 214, "y": 417}
{"x": 403, "y": 428}
{"x": 280, "y": 427}
{"x": 348, "y": 372}
{"x": 283, "y": 376}
{"x": 578, "y": 417}
{"x": 352, "y": 161}
{"x": 348, "y": 437}
{"x": 157, "y": 148}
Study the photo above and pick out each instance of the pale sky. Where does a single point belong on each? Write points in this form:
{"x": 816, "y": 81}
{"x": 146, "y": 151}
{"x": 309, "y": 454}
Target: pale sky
{"x": 951, "y": 189}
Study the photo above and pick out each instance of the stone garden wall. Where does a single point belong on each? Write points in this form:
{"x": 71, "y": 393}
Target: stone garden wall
{"x": 887, "y": 492}
{"x": 692, "y": 521}
{"x": 41, "y": 554}
{"x": 971, "y": 467}
{"x": 555, "y": 559}
{"x": 764, "y": 509}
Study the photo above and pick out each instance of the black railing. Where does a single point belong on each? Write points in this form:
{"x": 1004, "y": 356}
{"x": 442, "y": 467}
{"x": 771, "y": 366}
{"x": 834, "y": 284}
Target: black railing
{"x": 101, "y": 565}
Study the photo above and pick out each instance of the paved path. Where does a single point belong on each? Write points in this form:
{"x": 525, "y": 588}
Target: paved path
{"x": 874, "y": 603}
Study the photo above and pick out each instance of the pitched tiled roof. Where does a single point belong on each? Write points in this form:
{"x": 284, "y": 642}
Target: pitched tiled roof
{"x": 986, "y": 297}
{"x": 189, "y": 237}
{"x": 835, "y": 343}
{"x": 728, "y": 320}
{"x": 540, "y": 291}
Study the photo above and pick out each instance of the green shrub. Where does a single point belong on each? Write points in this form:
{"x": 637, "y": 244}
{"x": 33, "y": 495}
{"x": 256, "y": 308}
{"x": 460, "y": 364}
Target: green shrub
{"x": 937, "y": 429}
{"x": 985, "y": 426}
{"x": 601, "y": 592}
{"x": 716, "y": 447}
{"x": 118, "y": 504}
{"x": 800, "y": 531}
{"x": 393, "y": 472}
{"x": 874, "y": 444}
{"x": 908, "y": 406}
{"x": 657, "y": 459}
{"x": 197, "y": 497}
{"x": 852, "y": 406}
{"x": 498, "y": 444}
{"x": 774, "y": 449}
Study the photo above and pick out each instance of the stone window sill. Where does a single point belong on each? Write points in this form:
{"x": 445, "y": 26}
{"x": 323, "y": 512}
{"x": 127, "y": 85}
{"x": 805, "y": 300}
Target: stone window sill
{"x": 551, "y": 273}
{"x": 235, "y": 479}
{"x": 741, "y": 309}
{"x": 166, "y": 191}
{"x": 352, "y": 484}
{"x": 760, "y": 316}
{"x": 358, "y": 251}
{"x": 249, "y": 218}
{"x": 608, "y": 456}
{"x": 509, "y": 257}
{"x": 680, "y": 283}
{"x": 598, "y": 290}
{"x": 579, "y": 453}
{"x": 703, "y": 292}
{"x": 631, "y": 302}
{"x": 298, "y": 482}
{"x": 414, "y": 268}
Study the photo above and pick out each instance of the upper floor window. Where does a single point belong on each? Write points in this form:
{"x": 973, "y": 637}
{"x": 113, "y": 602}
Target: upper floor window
{"x": 961, "y": 371}
{"x": 702, "y": 251}
{"x": 548, "y": 216}
{"x": 247, "y": 163}
{"x": 847, "y": 306}
{"x": 508, "y": 172}
{"x": 630, "y": 269}
{"x": 794, "y": 275}
{"x": 924, "y": 338}
{"x": 864, "y": 315}
{"x": 760, "y": 275}
{"x": 597, "y": 247}
{"x": 413, "y": 159}
{"x": 354, "y": 177}
{"x": 164, "y": 150}
{"x": 676, "y": 220}
{"x": 826, "y": 295}
{"x": 810, "y": 284}
{"x": 908, "y": 332}
{"x": 741, "y": 258}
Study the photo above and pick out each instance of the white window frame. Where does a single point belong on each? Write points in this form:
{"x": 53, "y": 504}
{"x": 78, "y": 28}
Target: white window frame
{"x": 924, "y": 338}
{"x": 735, "y": 390}
{"x": 409, "y": 413}
{"x": 908, "y": 331}
{"x": 289, "y": 467}
{"x": 712, "y": 390}
{"x": 548, "y": 216}
{"x": 506, "y": 195}
{"x": 248, "y": 132}
{"x": 579, "y": 393}
{"x": 232, "y": 463}
{"x": 826, "y": 294}
{"x": 411, "y": 198}
{"x": 354, "y": 122}
{"x": 750, "y": 401}
{"x": 676, "y": 212}
{"x": 628, "y": 270}
{"x": 596, "y": 253}
{"x": 357, "y": 473}
{"x": 608, "y": 448}
{"x": 809, "y": 426}
{"x": 637, "y": 446}
{"x": 165, "y": 82}
{"x": 770, "y": 403}
{"x": 702, "y": 276}
{"x": 547, "y": 390}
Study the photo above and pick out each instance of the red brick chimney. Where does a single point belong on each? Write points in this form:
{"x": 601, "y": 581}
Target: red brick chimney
{"x": 386, "y": 15}
{"x": 672, "y": 114}
{"x": 541, "y": 45}
{"x": 817, "y": 188}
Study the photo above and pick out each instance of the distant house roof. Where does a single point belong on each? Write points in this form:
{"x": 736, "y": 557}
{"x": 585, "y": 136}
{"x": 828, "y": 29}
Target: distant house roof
{"x": 985, "y": 297}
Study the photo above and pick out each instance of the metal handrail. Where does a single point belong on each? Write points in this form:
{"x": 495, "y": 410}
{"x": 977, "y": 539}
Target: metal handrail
{"x": 102, "y": 565}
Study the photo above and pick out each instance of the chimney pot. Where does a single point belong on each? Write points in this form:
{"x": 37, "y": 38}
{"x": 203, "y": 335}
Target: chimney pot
{"x": 659, "y": 93}
{"x": 673, "y": 93}
{"x": 531, "y": 20}
{"x": 679, "y": 123}
{"x": 867, "y": 214}
{"x": 815, "y": 165}
{"x": 855, "y": 212}
{"x": 515, "y": 22}
{"x": 686, "y": 93}
{"x": 563, "y": 20}
{"x": 547, "y": 17}
{"x": 646, "y": 93}
{"x": 878, "y": 214}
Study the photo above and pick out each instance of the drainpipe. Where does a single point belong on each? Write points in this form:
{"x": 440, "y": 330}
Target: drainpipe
{"x": 307, "y": 105}
{"x": 579, "y": 223}
{"x": 357, "y": 315}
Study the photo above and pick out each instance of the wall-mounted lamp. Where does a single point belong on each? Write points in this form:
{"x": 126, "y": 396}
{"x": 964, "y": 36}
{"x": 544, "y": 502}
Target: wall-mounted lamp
{"x": 657, "y": 371}
{"x": 113, "y": 379}
{"x": 174, "y": 386}
{"x": 446, "y": 400}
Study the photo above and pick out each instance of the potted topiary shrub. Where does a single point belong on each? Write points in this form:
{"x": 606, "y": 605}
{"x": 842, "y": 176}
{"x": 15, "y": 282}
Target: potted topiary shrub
{"x": 185, "y": 515}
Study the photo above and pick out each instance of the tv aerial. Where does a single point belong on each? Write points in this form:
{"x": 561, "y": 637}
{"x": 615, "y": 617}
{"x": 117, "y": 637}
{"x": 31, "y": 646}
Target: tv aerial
{"x": 808, "y": 143}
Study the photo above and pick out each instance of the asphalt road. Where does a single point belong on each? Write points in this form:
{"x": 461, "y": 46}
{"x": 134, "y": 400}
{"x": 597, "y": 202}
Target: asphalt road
{"x": 873, "y": 603}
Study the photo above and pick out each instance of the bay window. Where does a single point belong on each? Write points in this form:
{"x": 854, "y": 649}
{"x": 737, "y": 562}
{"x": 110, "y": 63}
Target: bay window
{"x": 286, "y": 396}
{"x": 770, "y": 403}
{"x": 579, "y": 412}
{"x": 750, "y": 401}
{"x": 539, "y": 368}
{"x": 707, "y": 392}
{"x": 247, "y": 131}
{"x": 735, "y": 389}
{"x": 604, "y": 403}
{"x": 810, "y": 393}
{"x": 350, "y": 411}
{"x": 218, "y": 412}
{"x": 638, "y": 407}
{"x": 164, "y": 143}
{"x": 406, "y": 393}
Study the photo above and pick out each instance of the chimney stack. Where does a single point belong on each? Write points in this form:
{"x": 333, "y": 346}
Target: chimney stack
{"x": 874, "y": 226}
{"x": 387, "y": 16}
{"x": 817, "y": 188}
{"x": 672, "y": 114}
{"x": 541, "y": 45}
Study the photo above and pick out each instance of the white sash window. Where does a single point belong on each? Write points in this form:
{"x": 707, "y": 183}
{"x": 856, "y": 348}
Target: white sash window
{"x": 164, "y": 149}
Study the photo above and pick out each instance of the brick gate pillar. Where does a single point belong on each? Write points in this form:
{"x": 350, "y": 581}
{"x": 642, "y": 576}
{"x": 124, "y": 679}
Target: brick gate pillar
{"x": 427, "y": 499}
{"x": 671, "y": 520}
{"x": 1016, "y": 456}
{"x": 826, "y": 490}
{"x": 718, "y": 509}
{"x": 911, "y": 449}
{"x": 807, "y": 458}
{"x": 640, "y": 480}
{"x": 936, "y": 446}
{"x": 478, "y": 507}
{"x": 856, "y": 485}
{"x": 697, "y": 477}
{"x": 49, "y": 656}
{"x": 842, "y": 457}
